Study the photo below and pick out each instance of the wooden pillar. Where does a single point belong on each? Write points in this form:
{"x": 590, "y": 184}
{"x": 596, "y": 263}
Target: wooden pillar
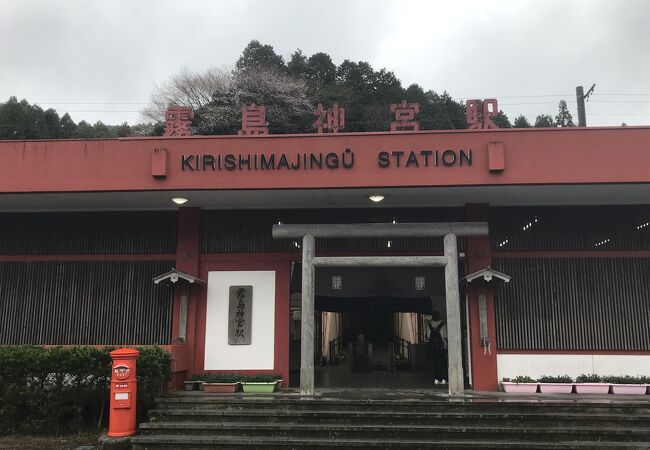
{"x": 307, "y": 322}
{"x": 188, "y": 240}
{"x": 454, "y": 347}
{"x": 187, "y": 260}
{"x": 182, "y": 315}
{"x": 479, "y": 256}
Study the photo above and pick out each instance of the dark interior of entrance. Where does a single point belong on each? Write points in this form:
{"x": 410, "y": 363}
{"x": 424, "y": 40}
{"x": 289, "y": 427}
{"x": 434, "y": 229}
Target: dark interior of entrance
{"x": 371, "y": 326}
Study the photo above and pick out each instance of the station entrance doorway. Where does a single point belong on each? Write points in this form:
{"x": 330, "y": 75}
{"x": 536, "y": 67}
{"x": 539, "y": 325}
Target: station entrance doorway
{"x": 449, "y": 261}
{"x": 372, "y": 327}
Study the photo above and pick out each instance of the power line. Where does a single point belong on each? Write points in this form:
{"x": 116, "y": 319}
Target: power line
{"x": 621, "y": 95}
{"x": 99, "y": 111}
{"x": 574, "y": 101}
{"x": 92, "y": 103}
{"x": 620, "y": 115}
{"x": 619, "y": 101}
{"x": 501, "y": 104}
{"x": 457, "y": 98}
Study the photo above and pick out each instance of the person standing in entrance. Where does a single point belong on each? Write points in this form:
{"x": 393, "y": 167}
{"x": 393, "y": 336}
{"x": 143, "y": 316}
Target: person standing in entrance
{"x": 438, "y": 347}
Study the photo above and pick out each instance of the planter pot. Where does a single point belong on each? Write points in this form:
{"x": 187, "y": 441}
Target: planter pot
{"x": 592, "y": 388}
{"x": 555, "y": 388}
{"x": 220, "y": 388}
{"x": 629, "y": 389}
{"x": 519, "y": 388}
{"x": 255, "y": 387}
{"x": 191, "y": 385}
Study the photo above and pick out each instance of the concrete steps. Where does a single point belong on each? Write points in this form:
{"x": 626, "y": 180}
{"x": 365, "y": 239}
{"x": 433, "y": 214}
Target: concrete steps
{"x": 389, "y": 432}
{"x": 442, "y": 404}
{"x": 187, "y": 422}
{"x": 170, "y": 442}
{"x": 396, "y": 418}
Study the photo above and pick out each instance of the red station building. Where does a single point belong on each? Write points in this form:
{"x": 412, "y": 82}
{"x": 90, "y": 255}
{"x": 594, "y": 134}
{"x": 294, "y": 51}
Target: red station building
{"x": 87, "y": 225}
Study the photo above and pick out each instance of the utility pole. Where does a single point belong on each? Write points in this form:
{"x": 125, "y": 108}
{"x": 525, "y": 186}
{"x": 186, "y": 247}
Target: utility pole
{"x": 581, "y": 97}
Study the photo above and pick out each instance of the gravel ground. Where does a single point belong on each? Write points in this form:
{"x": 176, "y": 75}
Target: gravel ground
{"x": 67, "y": 442}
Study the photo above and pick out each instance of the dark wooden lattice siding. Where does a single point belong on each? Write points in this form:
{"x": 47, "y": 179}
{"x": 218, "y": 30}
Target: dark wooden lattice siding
{"x": 574, "y": 304}
{"x": 87, "y": 233}
{"x": 571, "y": 228}
{"x": 237, "y": 231}
{"x": 84, "y": 303}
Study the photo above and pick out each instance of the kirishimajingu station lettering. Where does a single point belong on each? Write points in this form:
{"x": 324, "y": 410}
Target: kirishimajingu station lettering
{"x": 320, "y": 160}
{"x": 425, "y": 158}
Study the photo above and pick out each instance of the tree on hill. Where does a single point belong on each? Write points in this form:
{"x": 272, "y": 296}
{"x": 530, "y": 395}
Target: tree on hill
{"x": 544, "y": 121}
{"x": 320, "y": 72}
{"x": 365, "y": 94}
{"x": 20, "y": 120}
{"x": 52, "y": 123}
{"x": 216, "y": 96}
{"x": 188, "y": 88}
{"x": 123, "y": 130}
{"x": 297, "y": 65}
{"x": 287, "y": 108}
{"x": 257, "y": 56}
{"x": 521, "y": 122}
{"x": 290, "y": 92}
{"x": 67, "y": 129}
{"x": 563, "y": 118}
{"x": 437, "y": 111}
{"x": 501, "y": 120}
{"x": 85, "y": 130}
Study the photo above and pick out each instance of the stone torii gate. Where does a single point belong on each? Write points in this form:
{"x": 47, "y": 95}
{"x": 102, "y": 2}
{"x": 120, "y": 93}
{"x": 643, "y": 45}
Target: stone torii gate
{"x": 449, "y": 231}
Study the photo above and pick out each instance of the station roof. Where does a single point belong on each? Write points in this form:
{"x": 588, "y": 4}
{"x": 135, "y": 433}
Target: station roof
{"x": 565, "y": 166}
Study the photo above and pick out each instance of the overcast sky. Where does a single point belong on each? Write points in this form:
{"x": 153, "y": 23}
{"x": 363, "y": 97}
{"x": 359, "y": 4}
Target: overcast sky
{"x": 99, "y": 60}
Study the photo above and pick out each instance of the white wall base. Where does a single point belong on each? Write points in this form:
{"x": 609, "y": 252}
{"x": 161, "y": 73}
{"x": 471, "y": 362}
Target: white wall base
{"x": 259, "y": 355}
{"x": 536, "y": 365}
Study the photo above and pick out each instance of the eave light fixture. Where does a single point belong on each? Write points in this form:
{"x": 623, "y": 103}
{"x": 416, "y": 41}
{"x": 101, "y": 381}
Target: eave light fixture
{"x": 179, "y": 200}
{"x": 376, "y": 197}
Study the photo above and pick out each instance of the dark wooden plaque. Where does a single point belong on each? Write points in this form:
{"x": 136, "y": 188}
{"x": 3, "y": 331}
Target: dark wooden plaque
{"x": 240, "y": 315}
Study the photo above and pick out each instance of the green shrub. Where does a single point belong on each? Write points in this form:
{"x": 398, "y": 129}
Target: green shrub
{"x": 589, "y": 378}
{"x": 522, "y": 379}
{"x": 261, "y": 378}
{"x": 555, "y": 379}
{"x": 627, "y": 379}
{"x": 221, "y": 377}
{"x": 153, "y": 368}
{"x": 62, "y": 389}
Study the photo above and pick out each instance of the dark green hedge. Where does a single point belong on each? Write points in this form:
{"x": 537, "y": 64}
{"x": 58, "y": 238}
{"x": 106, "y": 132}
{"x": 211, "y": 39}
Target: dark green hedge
{"x": 63, "y": 389}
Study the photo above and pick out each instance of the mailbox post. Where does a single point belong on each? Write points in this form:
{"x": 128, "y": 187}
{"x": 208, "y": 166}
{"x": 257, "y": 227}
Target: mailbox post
{"x": 122, "y": 418}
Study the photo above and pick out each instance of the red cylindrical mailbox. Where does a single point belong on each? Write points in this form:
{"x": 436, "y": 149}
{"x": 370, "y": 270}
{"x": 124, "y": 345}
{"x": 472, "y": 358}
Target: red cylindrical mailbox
{"x": 122, "y": 420}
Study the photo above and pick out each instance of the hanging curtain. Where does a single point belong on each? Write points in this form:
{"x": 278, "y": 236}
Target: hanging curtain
{"x": 331, "y": 330}
{"x": 407, "y": 326}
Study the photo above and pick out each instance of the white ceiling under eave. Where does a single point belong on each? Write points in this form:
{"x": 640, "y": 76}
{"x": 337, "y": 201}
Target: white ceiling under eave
{"x": 395, "y": 197}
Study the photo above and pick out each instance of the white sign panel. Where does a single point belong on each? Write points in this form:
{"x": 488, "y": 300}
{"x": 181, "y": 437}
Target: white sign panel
{"x": 219, "y": 355}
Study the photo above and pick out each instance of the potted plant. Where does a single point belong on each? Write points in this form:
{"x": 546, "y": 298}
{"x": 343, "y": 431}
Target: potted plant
{"x": 521, "y": 384}
{"x": 195, "y": 383}
{"x": 261, "y": 383}
{"x": 190, "y": 385}
{"x": 221, "y": 383}
{"x": 562, "y": 384}
{"x": 627, "y": 385}
{"x": 646, "y": 380}
{"x": 591, "y": 384}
